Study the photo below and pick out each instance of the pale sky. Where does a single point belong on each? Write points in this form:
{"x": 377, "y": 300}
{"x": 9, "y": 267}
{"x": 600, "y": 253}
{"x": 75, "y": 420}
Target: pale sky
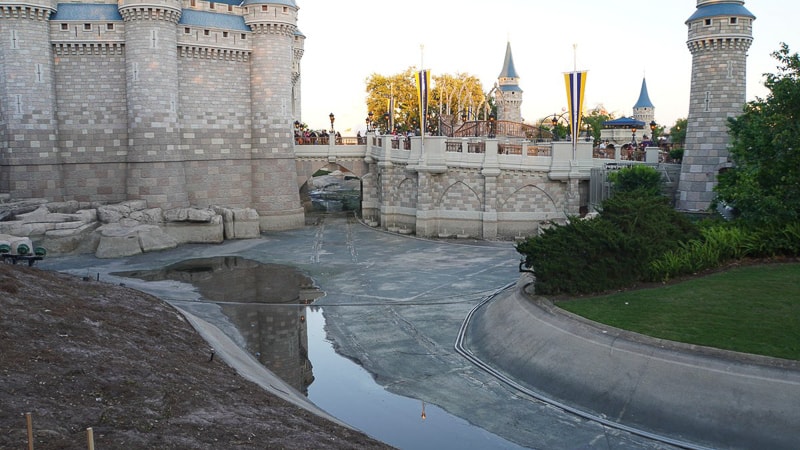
{"x": 618, "y": 42}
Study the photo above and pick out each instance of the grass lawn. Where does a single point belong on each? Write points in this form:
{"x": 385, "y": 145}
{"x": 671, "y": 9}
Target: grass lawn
{"x": 753, "y": 309}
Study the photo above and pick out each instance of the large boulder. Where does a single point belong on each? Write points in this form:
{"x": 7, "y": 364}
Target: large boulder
{"x": 115, "y": 213}
{"x": 118, "y": 241}
{"x": 239, "y": 223}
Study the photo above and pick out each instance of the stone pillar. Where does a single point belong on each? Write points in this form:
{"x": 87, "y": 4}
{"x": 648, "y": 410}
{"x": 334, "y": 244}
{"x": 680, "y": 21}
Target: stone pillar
{"x": 718, "y": 41}
{"x": 490, "y": 172}
{"x": 275, "y": 193}
{"x": 29, "y": 153}
{"x": 155, "y": 162}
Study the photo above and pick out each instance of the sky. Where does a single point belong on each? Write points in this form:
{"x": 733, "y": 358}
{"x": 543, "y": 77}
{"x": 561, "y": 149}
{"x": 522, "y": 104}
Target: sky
{"x": 618, "y": 42}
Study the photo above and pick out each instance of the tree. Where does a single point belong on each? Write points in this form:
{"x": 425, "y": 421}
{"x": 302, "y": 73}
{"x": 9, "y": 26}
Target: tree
{"x": 595, "y": 119}
{"x": 450, "y": 95}
{"x": 763, "y": 185}
{"x": 678, "y": 133}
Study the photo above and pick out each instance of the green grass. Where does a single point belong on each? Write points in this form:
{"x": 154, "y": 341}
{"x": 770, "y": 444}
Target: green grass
{"x": 753, "y": 309}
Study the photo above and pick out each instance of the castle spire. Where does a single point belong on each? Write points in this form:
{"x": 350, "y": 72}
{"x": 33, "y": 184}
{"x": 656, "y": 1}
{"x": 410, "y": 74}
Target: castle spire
{"x": 644, "y": 98}
{"x": 508, "y": 95}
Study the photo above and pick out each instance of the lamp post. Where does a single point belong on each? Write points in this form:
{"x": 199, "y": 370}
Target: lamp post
{"x": 386, "y": 120}
{"x": 554, "y": 121}
{"x": 588, "y": 127}
{"x": 633, "y": 136}
{"x": 332, "y": 117}
{"x": 463, "y": 117}
{"x": 653, "y": 126}
{"x": 370, "y": 124}
{"x": 492, "y": 125}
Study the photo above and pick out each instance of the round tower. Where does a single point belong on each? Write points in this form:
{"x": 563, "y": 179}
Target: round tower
{"x": 509, "y": 94}
{"x": 276, "y": 195}
{"x": 29, "y": 155}
{"x": 720, "y": 32}
{"x": 299, "y": 49}
{"x": 155, "y": 161}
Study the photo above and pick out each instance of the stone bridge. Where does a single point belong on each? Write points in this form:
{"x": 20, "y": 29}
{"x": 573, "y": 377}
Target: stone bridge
{"x": 487, "y": 188}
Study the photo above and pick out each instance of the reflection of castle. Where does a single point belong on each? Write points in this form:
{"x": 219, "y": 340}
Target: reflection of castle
{"x": 266, "y": 303}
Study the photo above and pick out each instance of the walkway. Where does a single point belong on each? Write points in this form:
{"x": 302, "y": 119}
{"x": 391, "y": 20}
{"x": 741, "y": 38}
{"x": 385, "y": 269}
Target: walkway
{"x": 396, "y": 304}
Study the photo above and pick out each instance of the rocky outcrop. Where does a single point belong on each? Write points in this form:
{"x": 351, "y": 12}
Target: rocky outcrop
{"x": 122, "y": 229}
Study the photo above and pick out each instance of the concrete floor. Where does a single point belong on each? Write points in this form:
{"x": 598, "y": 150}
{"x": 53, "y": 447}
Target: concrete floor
{"x": 396, "y": 305}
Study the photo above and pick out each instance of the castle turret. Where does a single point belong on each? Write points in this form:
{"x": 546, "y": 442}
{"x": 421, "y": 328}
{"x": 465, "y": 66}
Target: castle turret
{"x": 509, "y": 94}
{"x": 644, "y": 110}
{"x": 155, "y": 162}
{"x": 275, "y": 195}
{"x": 720, "y": 32}
{"x": 29, "y": 156}
{"x": 299, "y": 49}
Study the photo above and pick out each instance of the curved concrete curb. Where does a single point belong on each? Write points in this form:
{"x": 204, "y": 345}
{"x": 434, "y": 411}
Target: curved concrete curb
{"x": 698, "y": 397}
{"x": 248, "y": 367}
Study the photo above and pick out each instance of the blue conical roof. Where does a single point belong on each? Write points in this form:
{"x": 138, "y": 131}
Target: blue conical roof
{"x": 508, "y": 65}
{"x": 644, "y": 99}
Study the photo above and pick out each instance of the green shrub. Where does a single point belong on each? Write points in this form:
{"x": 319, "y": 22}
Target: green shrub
{"x": 636, "y": 178}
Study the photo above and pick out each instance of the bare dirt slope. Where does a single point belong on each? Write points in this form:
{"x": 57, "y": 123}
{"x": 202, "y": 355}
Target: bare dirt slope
{"x": 78, "y": 353}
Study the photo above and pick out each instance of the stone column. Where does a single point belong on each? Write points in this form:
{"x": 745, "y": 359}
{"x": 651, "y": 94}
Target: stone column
{"x": 275, "y": 194}
{"x": 155, "y": 162}
{"x": 29, "y": 153}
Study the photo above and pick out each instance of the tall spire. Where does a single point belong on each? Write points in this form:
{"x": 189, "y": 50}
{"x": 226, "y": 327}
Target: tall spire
{"x": 644, "y": 98}
{"x": 508, "y": 65}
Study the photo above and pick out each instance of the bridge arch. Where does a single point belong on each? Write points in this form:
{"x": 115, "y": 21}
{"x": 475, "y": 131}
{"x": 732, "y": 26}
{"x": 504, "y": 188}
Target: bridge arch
{"x": 331, "y": 188}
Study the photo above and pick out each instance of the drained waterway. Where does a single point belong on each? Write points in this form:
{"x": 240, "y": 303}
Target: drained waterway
{"x": 269, "y": 306}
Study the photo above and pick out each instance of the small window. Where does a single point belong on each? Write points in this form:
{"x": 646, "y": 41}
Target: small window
{"x": 733, "y": 21}
{"x": 110, "y": 26}
{"x": 87, "y": 27}
{"x": 264, "y": 8}
{"x": 187, "y": 30}
{"x": 708, "y": 22}
{"x": 285, "y": 9}
{"x": 244, "y": 36}
{"x": 64, "y": 27}
{"x": 211, "y": 5}
{"x": 192, "y": 3}
{"x": 206, "y": 32}
{"x": 230, "y": 8}
{"x": 224, "y": 34}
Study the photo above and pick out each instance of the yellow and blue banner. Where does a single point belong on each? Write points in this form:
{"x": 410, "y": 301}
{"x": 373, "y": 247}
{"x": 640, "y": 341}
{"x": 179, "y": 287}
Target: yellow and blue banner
{"x": 576, "y": 85}
{"x": 423, "y": 82}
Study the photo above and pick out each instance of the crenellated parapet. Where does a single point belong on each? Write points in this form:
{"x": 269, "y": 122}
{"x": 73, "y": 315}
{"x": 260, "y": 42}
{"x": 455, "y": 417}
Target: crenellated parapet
{"x": 714, "y": 43}
{"x": 271, "y": 16}
{"x": 32, "y": 10}
{"x": 165, "y": 10}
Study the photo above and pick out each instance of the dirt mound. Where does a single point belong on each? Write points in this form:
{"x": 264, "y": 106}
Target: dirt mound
{"x": 79, "y": 353}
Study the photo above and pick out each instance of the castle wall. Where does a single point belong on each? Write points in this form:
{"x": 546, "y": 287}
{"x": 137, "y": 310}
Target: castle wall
{"x": 216, "y": 142}
{"x": 92, "y": 120}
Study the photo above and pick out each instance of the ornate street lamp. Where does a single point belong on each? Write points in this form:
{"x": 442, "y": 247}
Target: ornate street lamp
{"x": 633, "y": 136}
{"x": 370, "y": 126}
{"x": 653, "y": 126}
{"x": 492, "y": 125}
{"x": 463, "y": 117}
{"x": 554, "y": 121}
{"x": 386, "y": 119}
{"x": 332, "y": 117}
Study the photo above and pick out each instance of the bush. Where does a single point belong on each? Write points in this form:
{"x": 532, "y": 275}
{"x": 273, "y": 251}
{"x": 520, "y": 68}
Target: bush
{"x": 609, "y": 252}
{"x": 636, "y": 178}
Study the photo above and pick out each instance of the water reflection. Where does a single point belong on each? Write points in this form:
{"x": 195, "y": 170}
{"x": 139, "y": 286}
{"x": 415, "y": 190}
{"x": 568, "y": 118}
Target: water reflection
{"x": 265, "y": 302}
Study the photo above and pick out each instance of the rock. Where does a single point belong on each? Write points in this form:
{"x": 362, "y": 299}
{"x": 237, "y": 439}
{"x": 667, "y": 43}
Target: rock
{"x": 246, "y": 223}
{"x": 115, "y": 213}
{"x": 117, "y": 242}
{"x": 197, "y": 233}
{"x": 150, "y": 216}
{"x": 152, "y": 238}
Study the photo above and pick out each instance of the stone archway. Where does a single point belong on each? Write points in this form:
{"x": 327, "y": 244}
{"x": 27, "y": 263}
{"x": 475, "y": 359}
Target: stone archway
{"x": 332, "y": 188}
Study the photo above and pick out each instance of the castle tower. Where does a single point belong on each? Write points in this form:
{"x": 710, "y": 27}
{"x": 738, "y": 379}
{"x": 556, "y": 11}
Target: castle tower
{"x": 29, "y": 155}
{"x": 155, "y": 162}
{"x": 508, "y": 94}
{"x": 299, "y": 49}
{"x": 275, "y": 193}
{"x": 720, "y": 32}
{"x": 643, "y": 109}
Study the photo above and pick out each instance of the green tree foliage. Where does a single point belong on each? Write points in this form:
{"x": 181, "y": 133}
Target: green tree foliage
{"x": 764, "y": 183}
{"x": 677, "y": 133}
{"x": 638, "y": 177}
{"x": 595, "y": 118}
{"x": 449, "y": 95}
{"x": 615, "y": 250}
